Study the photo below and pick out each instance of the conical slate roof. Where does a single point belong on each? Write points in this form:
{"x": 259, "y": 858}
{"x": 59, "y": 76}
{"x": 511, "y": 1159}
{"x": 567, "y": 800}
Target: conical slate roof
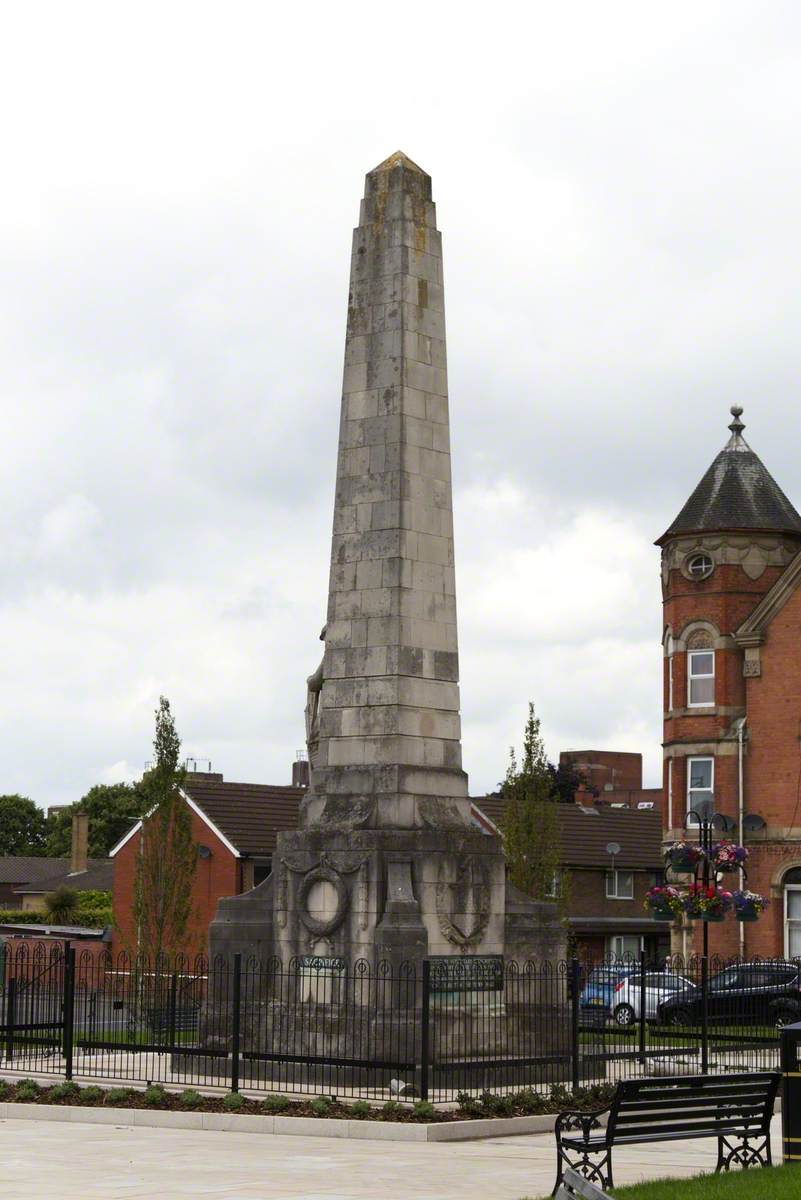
{"x": 737, "y": 492}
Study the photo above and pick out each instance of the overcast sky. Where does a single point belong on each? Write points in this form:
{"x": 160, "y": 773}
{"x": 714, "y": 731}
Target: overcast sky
{"x": 619, "y": 190}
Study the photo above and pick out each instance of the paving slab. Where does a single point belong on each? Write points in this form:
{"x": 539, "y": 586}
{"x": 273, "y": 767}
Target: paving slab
{"x": 72, "y": 1161}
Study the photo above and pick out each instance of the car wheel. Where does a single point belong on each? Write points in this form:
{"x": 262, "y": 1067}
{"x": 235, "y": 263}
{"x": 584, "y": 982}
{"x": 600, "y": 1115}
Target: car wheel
{"x": 680, "y": 1015}
{"x": 624, "y": 1015}
{"x": 785, "y": 1016}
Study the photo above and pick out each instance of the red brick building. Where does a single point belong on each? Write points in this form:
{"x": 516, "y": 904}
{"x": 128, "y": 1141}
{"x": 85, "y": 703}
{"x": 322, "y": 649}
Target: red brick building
{"x": 731, "y": 570}
{"x": 234, "y": 827}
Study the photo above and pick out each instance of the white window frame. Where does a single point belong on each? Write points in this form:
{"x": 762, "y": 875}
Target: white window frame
{"x": 691, "y": 654}
{"x": 553, "y": 889}
{"x": 710, "y": 758}
{"x": 613, "y": 891}
{"x": 670, "y": 793}
{"x": 670, "y": 671}
{"x": 788, "y": 921}
{"x": 618, "y": 937}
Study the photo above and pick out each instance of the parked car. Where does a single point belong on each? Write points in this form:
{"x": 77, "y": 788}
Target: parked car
{"x": 596, "y": 996}
{"x": 659, "y": 986}
{"x": 747, "y": 993}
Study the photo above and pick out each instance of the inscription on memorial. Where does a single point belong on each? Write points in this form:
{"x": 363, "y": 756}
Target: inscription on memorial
{"x": 478, "y": 974}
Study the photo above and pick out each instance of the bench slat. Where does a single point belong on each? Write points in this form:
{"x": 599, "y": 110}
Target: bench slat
{"x": 654, "y": 1105}
{"x": 576, "y": 1185}
{"x": 694, "y": 1112}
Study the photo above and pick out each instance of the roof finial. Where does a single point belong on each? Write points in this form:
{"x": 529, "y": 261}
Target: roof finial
{"x": 736, "y": 426}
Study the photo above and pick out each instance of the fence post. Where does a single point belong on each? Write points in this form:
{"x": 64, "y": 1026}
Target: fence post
{"x": 11, "y": 1016}
{"x": 642, "y": 1008}
{"x": 69, "y": 1010}
{"x": 704, "y": 1015}
{"x": 575, "y": 979}
{"x": 171, "y": 1020}
{"x": 425, "y": 1030}
{"x": 235, "y": 1030}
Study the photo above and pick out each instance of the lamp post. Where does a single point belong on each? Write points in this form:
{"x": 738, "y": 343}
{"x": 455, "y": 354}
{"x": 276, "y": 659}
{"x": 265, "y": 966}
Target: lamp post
{"x": 708, "y": 826}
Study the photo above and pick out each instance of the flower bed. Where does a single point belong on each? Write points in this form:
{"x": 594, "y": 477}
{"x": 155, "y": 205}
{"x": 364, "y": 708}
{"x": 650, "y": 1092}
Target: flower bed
{"x": 486, "y": 1105}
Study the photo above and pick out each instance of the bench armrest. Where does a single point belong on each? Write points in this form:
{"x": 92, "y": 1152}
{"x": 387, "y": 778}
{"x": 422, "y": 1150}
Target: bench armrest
{"x": 576, "y": 1120}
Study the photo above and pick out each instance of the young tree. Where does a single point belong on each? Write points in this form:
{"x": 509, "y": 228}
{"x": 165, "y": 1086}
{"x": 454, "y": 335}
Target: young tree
{"x": 22, "y": 826}
{"x": 165, "y": 866}
{"x": 112, "y": 810}
{"x": 530, "y": 823}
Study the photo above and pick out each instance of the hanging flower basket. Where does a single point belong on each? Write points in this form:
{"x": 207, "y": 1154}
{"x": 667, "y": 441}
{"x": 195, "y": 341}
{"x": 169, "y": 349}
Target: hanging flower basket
{"x": 706, "y": 903}
{"x": 726, "y": 856}
{"x": 748, "y": 905}
{"x": 663, "y": 903}
{"x": 684, "y": 857}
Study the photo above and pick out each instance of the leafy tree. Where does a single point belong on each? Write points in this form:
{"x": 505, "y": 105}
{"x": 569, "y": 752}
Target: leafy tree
{"x": 22, "y": 826}
{"x": 61, "y": 904}
{"x": 165, "y": 866}
{"x": 530, "y": 826}
{"x": 567, "y": 779}
{"x": 112, "y": 810}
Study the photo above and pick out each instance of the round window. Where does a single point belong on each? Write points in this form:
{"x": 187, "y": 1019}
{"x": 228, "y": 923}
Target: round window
{"x": 699, "y": 566}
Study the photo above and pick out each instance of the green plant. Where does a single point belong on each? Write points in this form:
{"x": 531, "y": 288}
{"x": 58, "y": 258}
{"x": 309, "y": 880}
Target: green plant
{"x": 360, "y": 1110}
{"x": 468, "y": 1104}
{"x": 27, "y": 1089}
{"x": 529, "y": 1101}
{"x": 63, "y": 1091}
{"x": 424, "y": 1110}
{"x": 61, "y": 904}
{"x": 4, "y": 1088}
{"x": 233, "y": 1102}
{"x": 321, "y": 1107}
{"x": 118, "y": 1095}
{"x": 392, "y": 1109}
{"x": 154, "y": 1095}
{"x": 190, "y": 1098}
{"x": 167, "y": 858}
{"x": 495, "y": 1105}
{"x": 275, "y": 1103}
{"x": 92, "y": 1094}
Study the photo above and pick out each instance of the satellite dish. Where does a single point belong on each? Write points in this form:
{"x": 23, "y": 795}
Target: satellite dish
{"x": 613, "y": 848}
{"x": 722, "y": 822}
{"x": 203, "y": 852}
{"x": 752, "y": 823}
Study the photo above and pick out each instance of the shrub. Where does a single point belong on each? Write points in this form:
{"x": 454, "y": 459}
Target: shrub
{"x": 61, "y": 904}
{"x": 321, "y": 1107}
{"x": 64, "y": 1091}
{"x": 4, "y": 1088}
{"x": 190, "y": 1098}
{"x": 27, "y": 1089}
{"x": 468, "y": 1104}
{"x": 360, "y": 1110}
{"x": 392, "y": 1109}
{"x": 92, "y": 1094}
{"x": 233, "y": 1102}
{"x": 154, "y": 1095}
{"x": 424, "y": 1110}
{"x": 529, "y": 1101}
{"x": 275, "y": 1104}
{"x": 118, "y": 1095}
{"x": 495, "y": 1105}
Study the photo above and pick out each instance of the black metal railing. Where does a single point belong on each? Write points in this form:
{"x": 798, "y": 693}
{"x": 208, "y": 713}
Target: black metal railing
{"x": 328, "y": 1026}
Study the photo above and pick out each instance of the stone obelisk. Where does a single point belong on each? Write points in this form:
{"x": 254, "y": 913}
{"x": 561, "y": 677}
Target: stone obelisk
{"x": 389, "y": 754}
{"x": 386, "y": 864}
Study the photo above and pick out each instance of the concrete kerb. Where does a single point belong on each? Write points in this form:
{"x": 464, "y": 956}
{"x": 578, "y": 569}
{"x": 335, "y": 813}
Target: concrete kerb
{"x": 384, "y": 1131}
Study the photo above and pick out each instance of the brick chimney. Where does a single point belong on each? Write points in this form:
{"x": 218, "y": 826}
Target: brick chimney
{"x": 79, "y": 859}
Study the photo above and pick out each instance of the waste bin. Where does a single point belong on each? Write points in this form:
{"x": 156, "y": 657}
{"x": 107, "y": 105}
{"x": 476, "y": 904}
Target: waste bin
{"x": 791, "y": 1092}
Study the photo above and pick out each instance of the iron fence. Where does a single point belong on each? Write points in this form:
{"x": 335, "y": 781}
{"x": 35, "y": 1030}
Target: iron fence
{"x": 326, "y": 1026}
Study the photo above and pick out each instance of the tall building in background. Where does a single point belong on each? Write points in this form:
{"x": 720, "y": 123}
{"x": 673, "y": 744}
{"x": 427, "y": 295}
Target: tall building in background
{"x": 732, "y": 683}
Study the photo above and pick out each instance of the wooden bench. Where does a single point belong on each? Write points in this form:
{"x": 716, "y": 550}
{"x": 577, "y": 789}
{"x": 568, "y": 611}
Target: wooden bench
{"x": 735, "y": 1109}
{"x": 576, "y": 1187}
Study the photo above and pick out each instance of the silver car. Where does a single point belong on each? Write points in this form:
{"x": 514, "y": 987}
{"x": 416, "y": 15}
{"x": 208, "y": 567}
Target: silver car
{"x": 659, "y": 986}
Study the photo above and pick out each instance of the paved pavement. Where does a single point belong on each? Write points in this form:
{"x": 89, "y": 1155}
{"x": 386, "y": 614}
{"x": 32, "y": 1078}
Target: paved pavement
{"x": 43, "y": 1160}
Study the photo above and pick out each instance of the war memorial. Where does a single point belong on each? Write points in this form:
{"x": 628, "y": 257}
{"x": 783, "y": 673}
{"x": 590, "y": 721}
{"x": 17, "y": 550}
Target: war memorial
{"x": 386, "y": 866}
